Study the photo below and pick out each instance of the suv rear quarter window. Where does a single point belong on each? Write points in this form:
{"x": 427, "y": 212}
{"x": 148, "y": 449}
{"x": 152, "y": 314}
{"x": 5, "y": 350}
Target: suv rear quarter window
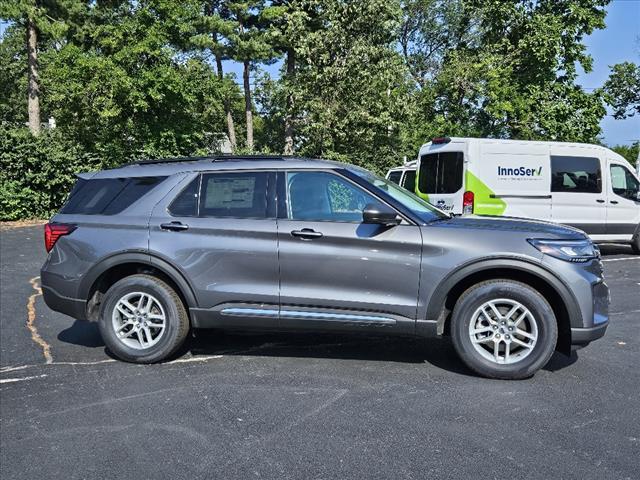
{"x": 107, "y": 196}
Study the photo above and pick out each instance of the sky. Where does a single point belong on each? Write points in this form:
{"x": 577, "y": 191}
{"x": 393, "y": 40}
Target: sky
{"x": 618, "y": 42}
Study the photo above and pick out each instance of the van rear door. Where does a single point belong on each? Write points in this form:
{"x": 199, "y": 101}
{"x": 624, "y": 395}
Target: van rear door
{"x": 440, "y": 179}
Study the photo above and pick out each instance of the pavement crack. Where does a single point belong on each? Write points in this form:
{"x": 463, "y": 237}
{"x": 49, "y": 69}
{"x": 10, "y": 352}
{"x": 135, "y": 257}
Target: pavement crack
{"x": 31, "y": 320}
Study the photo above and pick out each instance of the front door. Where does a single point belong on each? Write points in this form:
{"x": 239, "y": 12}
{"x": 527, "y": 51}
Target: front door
{"x": 336, "y": 272}
{"x": 623, "y": 204}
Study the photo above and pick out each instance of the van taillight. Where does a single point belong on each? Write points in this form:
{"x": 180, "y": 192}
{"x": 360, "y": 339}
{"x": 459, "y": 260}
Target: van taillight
{"x": 467, "y": 203}
{"x": 53, "y": 231}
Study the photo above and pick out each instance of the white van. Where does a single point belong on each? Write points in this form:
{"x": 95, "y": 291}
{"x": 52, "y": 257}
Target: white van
{"x": 405, "y": 176}
{"x": 586, "y": 186}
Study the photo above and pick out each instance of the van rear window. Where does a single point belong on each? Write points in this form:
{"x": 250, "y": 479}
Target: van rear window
{"x": 107, "y": 196}
{"x": 441, "y": 172}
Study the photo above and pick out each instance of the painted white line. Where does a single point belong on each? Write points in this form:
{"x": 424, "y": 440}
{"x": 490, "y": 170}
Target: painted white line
{"x": 100, "y": 362}
{"x": 620, "y": 259}
{"x": 12, "y": 380}
{"x": 194, "y": 359}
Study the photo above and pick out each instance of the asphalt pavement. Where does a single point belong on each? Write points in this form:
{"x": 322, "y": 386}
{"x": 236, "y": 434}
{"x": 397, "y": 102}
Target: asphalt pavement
{"x": 305, "y": 406}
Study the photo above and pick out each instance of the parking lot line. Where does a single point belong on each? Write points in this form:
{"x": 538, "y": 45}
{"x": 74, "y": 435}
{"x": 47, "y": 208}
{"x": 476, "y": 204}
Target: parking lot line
{"x": 620, "y": 259}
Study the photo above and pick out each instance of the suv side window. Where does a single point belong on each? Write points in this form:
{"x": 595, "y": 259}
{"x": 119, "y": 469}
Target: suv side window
{"x": 234, "y": 195}
{"x": 186, "y": 203}
{"x": 623, "y": 182}
{"x": 323, "y": 196}
{"x": 575, "y": 174}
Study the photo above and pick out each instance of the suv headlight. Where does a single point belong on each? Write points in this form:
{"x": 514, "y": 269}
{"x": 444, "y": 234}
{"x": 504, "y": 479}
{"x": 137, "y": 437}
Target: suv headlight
{"x": 568, "y": 250}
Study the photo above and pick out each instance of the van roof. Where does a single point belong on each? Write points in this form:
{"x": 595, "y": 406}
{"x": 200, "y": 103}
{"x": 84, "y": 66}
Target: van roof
{"x": 539, "y": 143}
{"x": 170, "y": 166}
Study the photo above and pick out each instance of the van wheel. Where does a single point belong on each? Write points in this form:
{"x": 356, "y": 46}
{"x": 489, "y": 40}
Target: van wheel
{"x": 635, "y": 243}
{"x": 504, "y": 329}
{"x": 143, "y": 320}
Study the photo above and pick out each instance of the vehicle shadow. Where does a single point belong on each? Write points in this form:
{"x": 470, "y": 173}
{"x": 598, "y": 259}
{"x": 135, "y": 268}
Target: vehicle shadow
{"x": 85, "y": 334}
{"x": 438, "y": 352}
{"x": 614, "y": 249}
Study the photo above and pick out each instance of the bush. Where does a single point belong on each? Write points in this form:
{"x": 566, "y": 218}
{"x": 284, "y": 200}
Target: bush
{"x": 36, "y": 173}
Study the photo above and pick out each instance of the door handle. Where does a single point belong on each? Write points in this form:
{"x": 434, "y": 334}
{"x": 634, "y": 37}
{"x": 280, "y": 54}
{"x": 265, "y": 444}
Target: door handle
{"x": 599, "y": 200}
{"x": 306, "y": 233}
{"x": 615, "y": 202}
{"x": 174, "y": 226}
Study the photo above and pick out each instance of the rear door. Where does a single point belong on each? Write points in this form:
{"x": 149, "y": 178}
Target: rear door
{"x": 623, "y": 205}
{"x": 335, "y": 271}
{"x": 440, "y": 179}
{"x": 578, "y": 195}
{"x": 219, "y": 230}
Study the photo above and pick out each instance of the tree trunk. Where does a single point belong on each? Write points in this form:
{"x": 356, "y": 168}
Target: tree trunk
{"x": 247, "y": 106}
{"x": 288, "y": 119}
{"x": 34, "y": 82}
{"x": 231, "y": 129}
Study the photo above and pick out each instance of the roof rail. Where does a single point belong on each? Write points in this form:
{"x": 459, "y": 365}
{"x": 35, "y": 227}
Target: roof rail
{"x": 213, "y": 158}
{"x": 152, "y": 161}
{"x": 251, "y": 156}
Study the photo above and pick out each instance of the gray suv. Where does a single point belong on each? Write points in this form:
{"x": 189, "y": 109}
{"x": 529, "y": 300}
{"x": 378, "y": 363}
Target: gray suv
{"x": 152, "y": 249}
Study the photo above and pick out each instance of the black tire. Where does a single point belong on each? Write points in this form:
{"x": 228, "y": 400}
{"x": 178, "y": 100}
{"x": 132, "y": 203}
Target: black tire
{"x": 635, "y": 243}
{"x": 543, "y": 315}
{"x": 177, "y": 320}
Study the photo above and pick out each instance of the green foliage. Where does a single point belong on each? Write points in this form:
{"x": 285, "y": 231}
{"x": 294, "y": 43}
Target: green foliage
{"x": 36, "y": 173}
{"x": 630, "y": 152}
{"x": 622, "y": 90}
{"x": 365, "y": 82}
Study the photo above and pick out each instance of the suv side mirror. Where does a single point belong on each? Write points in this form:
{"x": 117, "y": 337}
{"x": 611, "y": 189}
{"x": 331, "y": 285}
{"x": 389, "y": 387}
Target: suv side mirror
{"x": 380, "y": 214}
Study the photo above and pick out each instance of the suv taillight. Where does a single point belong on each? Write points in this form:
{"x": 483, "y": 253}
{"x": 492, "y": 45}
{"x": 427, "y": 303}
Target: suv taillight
{"x": 53, "y": 231}
{"x": 467, "y": 203}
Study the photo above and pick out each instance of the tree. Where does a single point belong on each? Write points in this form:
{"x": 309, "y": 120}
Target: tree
{"x": 622, "y": 90}
{"x": 349, "y": 83}
{"x": 629, "y": 152}
{"x": 210, "y": 19}
{"x": 248, "y": 43}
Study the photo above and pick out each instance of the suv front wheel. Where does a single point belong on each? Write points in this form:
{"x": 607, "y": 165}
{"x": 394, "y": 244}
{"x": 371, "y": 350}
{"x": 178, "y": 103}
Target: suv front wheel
{"x": 504, "y": 329}
{"x": 143, "y": 320}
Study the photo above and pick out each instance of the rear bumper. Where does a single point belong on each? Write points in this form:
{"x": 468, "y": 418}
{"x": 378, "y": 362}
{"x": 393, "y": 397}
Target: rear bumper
{"x": 69, "y": 306}
{"x": 583, "y": 336}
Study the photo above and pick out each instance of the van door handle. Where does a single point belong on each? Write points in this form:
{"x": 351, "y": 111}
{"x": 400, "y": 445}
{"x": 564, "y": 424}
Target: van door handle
{"x": 306, "y": 233}
{"x": 599, "y": 200}
{"x": 615, "y": 202}
{"x": 174, "y": 226}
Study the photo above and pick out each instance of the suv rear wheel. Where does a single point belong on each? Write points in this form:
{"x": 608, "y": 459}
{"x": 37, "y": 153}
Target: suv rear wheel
{"x": 143, "y": 320}
{"x": 504, "y": 329}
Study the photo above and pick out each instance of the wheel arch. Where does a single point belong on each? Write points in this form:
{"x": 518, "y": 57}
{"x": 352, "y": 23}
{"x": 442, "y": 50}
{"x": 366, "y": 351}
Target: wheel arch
{"x": 563, "y": 302}
{"x": 111, "y": 269}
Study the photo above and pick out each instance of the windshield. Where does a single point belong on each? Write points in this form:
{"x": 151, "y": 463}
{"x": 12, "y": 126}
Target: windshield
{"x": 424, "y": 210}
